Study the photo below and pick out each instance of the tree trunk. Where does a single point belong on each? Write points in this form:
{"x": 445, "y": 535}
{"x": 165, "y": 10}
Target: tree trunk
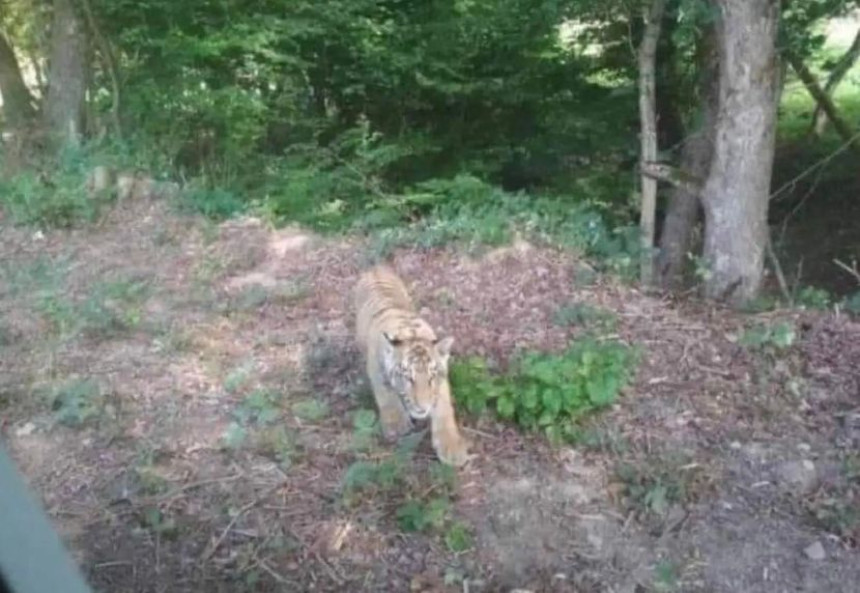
{"x": 18, "y": 103}
{"x": 822, "y": 99}
{"x": 648, "y": 116}
{"x": 696, "y": 155}
{"x": 843, "y": 66}
{"x": 735, "y": 196}
{"x": 67, "y": 76}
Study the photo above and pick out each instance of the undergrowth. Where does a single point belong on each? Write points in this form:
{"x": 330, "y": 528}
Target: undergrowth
{"x": 422, "y": 501}
{"x": 547, "y": 392}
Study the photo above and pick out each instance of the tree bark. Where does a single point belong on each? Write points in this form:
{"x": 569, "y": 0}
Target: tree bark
{"x": 684, "y": 206}
{"x": 67, "y": 76}
{"x": 822, "y": 99}
{"x": 735, "y": 196}
{"x": 843, "y": 66}
{"x": 18, "y": 104}
{"x": 648, "y": 116}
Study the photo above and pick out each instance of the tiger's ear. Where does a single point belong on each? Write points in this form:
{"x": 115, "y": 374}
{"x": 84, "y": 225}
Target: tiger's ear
{"x": 392, "y": 339}
{"x": 443, "y": 347}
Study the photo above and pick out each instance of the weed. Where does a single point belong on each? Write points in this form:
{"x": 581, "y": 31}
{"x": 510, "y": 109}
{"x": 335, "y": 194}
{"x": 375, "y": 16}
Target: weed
{"x": 769, "y": 338}
{"x": 458, "y": 538}
{"x": 310, "y": 410}
{"x": 365, "y": 430}
{"x": 215, "y": 204}
{"x": 654, "y": 485}
{"x": 261, "y": 407}
{"x": 58, "y": 199}
{"x": 109, "y": 309}
{"x": 77, "y": 401}
{"x": 547, "y": 392}
{"x": 157, "y": 522}
{"x": 585, "y": 315}
{"x": 255, "y": 296}
{"x": 852, "y": 303}
{"x": 666, "y": 576}
{"x": 816, "y": 299}
{"x": 420, "y": 516}
{"x": 276, "y": 442}
{"x": 599, "y": 439}
{"x": 238, "y": 377}
{"x": 836, "y": 506}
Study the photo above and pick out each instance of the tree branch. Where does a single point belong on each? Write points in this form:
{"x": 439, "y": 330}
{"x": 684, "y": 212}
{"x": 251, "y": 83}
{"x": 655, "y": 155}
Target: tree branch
{"x": 673, "y": 176}
{"x": 821, "y": 98}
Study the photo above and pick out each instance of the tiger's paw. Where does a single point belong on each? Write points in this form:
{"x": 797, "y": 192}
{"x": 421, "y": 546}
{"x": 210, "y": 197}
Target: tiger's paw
{"x": 453, "y": 451}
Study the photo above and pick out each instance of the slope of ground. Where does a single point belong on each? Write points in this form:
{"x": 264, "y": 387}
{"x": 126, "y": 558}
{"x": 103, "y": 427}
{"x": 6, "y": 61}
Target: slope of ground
{"x": 185, "y": 398}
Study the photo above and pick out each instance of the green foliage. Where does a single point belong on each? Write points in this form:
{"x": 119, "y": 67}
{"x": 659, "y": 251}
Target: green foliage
{"x": 52, "y": 195}
{"x": 547, "y": 392}
{"x": 652, "y": 486}
{"x": 260, "y": 407}
{"x": 852, "y": 303}
{"x": 585, "y": 315}
{"x": 109, "y": 309}
{"x": 77, "y": 401}
{"x": 813, "y": 298}
{"x": 215, "y": 204}
{"x": 310, "y": 410}
{"x": 769, "y": 337}
{"x": 419, "y": 516}
{"x": 458, "y": 538}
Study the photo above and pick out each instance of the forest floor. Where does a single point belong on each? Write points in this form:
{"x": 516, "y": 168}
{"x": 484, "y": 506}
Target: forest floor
{"x": 185, "y": 398}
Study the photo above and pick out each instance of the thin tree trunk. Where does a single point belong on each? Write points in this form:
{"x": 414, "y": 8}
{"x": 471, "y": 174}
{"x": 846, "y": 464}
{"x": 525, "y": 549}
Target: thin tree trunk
{"x": 67, "y": 76}
{"x": 735, "y": 196}
{"x": 648, "y": 115}
{"x": 110, "y": 64}
{"x": 696, "y": 155}
{"x": 843, "y": 66}
{"x": 18, "y": 103}
{"x": 822, "y": 99}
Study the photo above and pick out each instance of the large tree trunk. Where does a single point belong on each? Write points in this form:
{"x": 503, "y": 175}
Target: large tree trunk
{"x": 67, "y": 77}
{"x": 18, "y": 104}
{"x": 843, "y": 66}
{"x": 696, "y": 156}
{"x": 735, "y": 196}
{"x": 648, "y": 117}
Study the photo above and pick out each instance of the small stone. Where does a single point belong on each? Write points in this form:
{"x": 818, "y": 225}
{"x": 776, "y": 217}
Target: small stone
{"x": 815, "y": 552}
{"x": 25, "y": 430}
{"x": 805, "y": 447}
{"x": 800, "y": 477}
{"x": 735, "y": 445}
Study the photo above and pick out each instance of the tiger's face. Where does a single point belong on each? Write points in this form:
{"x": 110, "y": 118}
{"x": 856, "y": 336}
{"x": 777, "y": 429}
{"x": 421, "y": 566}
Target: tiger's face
{"x": 416, "y": 372}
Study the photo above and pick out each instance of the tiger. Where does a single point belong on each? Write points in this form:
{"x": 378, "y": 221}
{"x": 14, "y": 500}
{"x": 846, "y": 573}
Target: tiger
{"x": 407, "y": 364}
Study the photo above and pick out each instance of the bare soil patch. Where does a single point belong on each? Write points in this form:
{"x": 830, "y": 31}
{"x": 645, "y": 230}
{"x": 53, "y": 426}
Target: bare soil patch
{"x": 209, "y": 423}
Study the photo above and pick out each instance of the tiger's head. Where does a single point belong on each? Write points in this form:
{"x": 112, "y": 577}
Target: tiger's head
{"x": 416, "y": 370}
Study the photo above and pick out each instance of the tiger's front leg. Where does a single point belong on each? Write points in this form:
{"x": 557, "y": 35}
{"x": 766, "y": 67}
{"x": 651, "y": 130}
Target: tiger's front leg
{"x": 451, "y": 447}
{"x": 393, "y": 417}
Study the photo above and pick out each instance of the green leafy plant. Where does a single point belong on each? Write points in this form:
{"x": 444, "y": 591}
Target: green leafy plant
{"x": 771, "y": 337}
{"x": 547, "y": 392}
{"x": 653, "y": 485}
{"x": 310, "y": 410}
{"x": 77, "y": 401}
{"x": 810, "y": 297}
{"x": 458, "y": 537}
{"x": 260, "y": 407}
{"x": 585, "y": 315}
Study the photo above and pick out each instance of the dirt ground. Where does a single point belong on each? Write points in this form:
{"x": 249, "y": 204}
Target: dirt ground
{"x": 183, "y": 398}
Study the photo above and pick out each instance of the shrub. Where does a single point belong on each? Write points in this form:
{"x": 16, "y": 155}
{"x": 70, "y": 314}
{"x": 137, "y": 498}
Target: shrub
{"x": 547, "y": 392}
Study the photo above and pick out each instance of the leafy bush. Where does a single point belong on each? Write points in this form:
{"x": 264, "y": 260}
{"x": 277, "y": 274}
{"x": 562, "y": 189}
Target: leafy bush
{"x": 547, "y": 392}
{"x": 77, "y": 401}
{"x": 769, "y": 337}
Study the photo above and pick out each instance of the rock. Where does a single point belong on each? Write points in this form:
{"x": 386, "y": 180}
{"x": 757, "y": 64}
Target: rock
{"x": 799, "y": 477}
{"x": 25, "y": 430}
{"x": 815, "y": 552}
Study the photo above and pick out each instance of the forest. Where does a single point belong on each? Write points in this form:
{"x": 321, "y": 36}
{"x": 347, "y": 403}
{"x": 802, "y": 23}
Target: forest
{"x": 637, "y": 219}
